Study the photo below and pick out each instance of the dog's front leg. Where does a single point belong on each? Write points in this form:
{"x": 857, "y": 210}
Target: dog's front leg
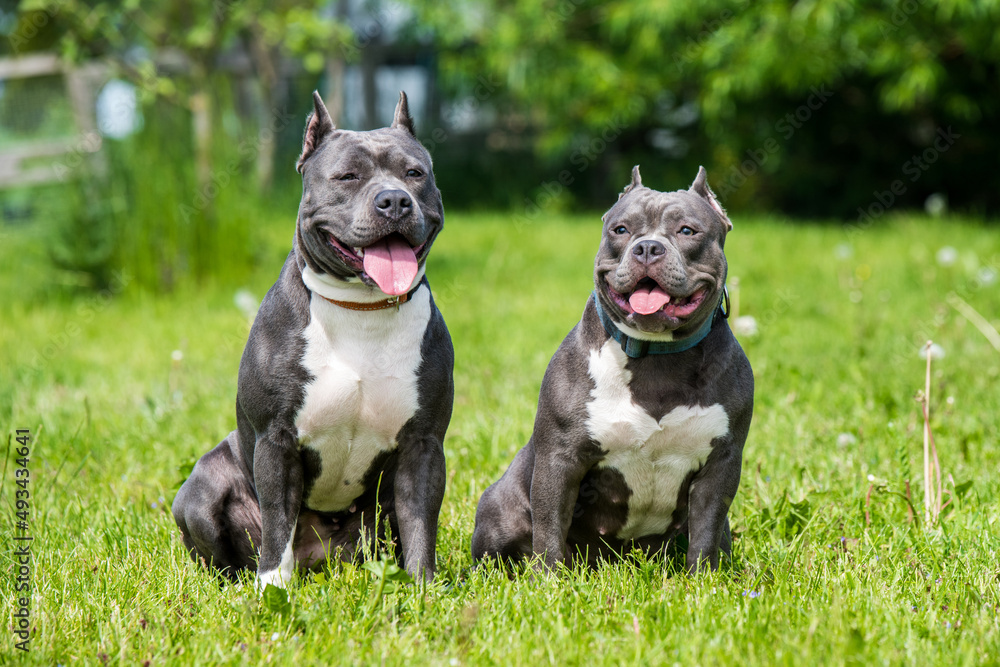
{"x": 420, "y": 481}
{"x": 555, "y": 485}
{"x": 277, "y": 471}
{"x": 710, "y": 495}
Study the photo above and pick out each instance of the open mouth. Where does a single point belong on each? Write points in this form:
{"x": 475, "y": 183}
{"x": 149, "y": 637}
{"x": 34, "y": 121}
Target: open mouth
{"x": 390, "y": 262}
{"x": 648, "y": 298}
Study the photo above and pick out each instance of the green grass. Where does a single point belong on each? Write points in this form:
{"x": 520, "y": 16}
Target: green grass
{"x": 827, "y": 568}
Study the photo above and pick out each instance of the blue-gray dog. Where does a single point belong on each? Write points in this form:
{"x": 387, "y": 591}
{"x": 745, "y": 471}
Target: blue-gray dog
{"x": 644, "y": 408}
{"x": 345, "y": 386}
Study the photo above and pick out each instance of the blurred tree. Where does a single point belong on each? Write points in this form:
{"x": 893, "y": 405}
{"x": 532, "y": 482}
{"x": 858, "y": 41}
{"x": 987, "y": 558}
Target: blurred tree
{"x": 172, "y": 49}
{"x": 893, "y": 72}
{"x": 184, "y": 197}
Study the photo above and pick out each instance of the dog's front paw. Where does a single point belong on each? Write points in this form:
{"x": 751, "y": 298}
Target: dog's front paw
{"x": 275, "y": 577}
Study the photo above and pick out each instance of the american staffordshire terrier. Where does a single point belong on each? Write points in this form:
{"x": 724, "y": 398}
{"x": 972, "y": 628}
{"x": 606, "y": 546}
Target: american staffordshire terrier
{"x": 345, "y": 386}
{"x": 645, "y": 406}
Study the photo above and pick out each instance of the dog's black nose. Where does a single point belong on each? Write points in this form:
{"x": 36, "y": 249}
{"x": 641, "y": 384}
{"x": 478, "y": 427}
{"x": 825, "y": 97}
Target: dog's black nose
{"x": 648, "y": 251}
{"x": 393, "y": 204}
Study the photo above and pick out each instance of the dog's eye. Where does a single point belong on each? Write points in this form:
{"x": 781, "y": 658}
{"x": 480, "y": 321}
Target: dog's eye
{"x": 621, "y": 229}
{"x": 414, "y": 173}
{"x": 350, "y": 176}
{"x": 687, "y": 231}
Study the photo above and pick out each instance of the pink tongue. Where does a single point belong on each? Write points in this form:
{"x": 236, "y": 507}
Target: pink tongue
{"x": 392, "y": 264}
{"x": 646, "y": 300}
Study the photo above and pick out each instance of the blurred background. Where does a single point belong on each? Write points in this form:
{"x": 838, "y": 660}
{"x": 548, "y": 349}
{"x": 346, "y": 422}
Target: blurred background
{"x": 160, "y": 137}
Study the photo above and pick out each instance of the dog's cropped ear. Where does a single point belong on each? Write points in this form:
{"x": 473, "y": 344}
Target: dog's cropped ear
{"x": 636, "y": 182}
{"x": 317, "y": 127}
{"x": 700, "y": 188}
{"x": 402, "y": 119}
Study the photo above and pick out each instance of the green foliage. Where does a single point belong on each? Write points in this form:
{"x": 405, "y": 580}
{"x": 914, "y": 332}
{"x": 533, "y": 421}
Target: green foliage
{"x": 83, "y": 241}
{"x": 145, "y": 217}
{"x": 733, "y": 85}
{"x": 817, "y": 108}
{"x": 388, "y": 575}
{"x": 200, "y": 30}
{"x": 389, "y": 578}
{"x": 575, "y": 61}
{"x": 822, "y": 572}
{"x": 173, "y": 52}
{"x": 275, "y": 600}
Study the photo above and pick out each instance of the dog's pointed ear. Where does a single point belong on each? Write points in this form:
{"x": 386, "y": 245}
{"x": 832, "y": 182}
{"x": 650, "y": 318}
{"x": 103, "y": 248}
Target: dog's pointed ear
{"x": 700, "y": 188}
{"x": 318, "y": 126}
{"x": 636, "y": 182}
{"x": 402, "y": 119}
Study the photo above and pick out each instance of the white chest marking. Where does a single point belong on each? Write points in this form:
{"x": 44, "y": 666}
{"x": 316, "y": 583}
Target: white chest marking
{"x": 653, "y": 456}
{"x": 364, "y": 367}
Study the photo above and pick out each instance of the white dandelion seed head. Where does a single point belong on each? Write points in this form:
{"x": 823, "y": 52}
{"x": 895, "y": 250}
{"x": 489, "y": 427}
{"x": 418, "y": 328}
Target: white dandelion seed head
{"x": 947, "y": 256}
{"x": 937, "y": 352}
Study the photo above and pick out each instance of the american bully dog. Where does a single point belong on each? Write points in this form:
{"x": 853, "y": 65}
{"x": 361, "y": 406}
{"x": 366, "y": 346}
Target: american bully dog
{"x": 645, "y": 406}
{"x": 345, "y": 385}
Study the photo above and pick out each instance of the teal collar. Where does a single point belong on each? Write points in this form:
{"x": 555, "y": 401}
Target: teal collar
{"x": 636, "y": 347}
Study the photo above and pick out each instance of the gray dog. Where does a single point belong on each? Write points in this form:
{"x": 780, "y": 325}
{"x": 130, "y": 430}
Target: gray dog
{"x": 645, "y": 406}
{"x": 345, "y": 387}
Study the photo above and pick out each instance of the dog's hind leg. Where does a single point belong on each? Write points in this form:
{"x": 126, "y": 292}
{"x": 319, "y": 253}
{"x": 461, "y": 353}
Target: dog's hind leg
{"x": 218, "y": 513}
{"x": 503, "y": 516}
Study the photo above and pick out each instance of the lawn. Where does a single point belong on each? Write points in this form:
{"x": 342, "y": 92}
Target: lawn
{"x": 829, "y": 566}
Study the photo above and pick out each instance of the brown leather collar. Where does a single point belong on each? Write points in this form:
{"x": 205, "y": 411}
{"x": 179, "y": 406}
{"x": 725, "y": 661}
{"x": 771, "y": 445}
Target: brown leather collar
{"x": 392, "y": 301}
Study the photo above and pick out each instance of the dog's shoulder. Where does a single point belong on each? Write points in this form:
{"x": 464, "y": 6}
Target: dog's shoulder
{"x": 271, "y": 362}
